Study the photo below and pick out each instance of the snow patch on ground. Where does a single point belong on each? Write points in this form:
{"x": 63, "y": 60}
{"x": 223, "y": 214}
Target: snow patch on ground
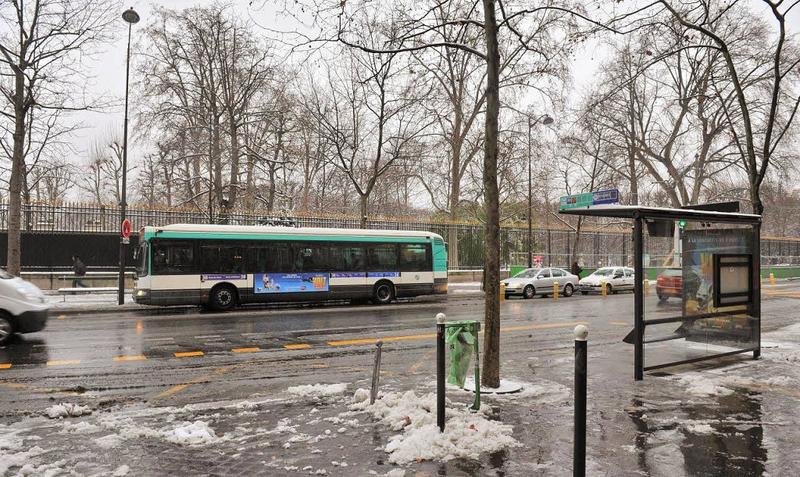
{"x": 121, "y": 471}
{"x": 318, "y": 390}
{"x": 66, "y": 409}
{"x": 710, "y": 385}
{"x": 699, "y": 428}
{"x": 192, "y": 433}
{"x": 82, "y": 427}
{"x": 466, "y": 435}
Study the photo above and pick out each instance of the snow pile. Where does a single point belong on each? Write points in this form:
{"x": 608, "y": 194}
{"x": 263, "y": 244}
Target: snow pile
{"x": 710, "y": 385}
{"x": 18, "y": 459}
{"x": 467, "y": 435}
{"x": 318, "y": 390}
{"x": 82, "y": 427}
{"x": 66, "y": 409}
{"x": 192, "y": 433}
{"x": 361, "y": 395}
{"x": 121, "y": 471}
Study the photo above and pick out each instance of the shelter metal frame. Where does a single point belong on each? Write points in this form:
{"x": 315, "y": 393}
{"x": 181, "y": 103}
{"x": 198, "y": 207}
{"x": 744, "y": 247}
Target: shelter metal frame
{"x": 641, "y": 214}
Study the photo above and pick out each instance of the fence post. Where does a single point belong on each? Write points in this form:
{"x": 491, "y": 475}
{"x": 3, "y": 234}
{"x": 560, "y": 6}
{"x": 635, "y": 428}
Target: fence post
{"x": 579, "y": 449}
{"x": 440, "y": 389}
{"x": 376, "y": 373}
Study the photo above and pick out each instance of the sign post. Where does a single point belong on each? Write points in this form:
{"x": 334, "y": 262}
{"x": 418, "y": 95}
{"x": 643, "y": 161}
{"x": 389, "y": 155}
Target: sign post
{"x": 125, "y": 239}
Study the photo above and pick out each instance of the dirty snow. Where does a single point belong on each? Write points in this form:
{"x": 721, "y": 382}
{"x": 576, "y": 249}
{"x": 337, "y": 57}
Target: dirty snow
{"x": 192, "y": 433}
{"x": 121, "y": 471}
{"x": 66, "y": 409}
{"x": 82, "y": 427}
{"x": 467, "y": 435}
{"x": 318, "y": 390}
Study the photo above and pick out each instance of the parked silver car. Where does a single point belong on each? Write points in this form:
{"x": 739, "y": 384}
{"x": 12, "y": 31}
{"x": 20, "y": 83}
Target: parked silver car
{"x": 539, "y": 281}
{"x": 615, "y": 279}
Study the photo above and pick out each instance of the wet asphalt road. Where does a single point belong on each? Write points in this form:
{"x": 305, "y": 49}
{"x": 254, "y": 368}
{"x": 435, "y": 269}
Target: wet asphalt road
{"x": 165, "y": 354}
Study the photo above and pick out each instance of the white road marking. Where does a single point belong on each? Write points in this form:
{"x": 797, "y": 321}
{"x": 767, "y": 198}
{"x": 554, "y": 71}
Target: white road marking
{"x": 207, "y": 337}
{"x": 159, "y": 339}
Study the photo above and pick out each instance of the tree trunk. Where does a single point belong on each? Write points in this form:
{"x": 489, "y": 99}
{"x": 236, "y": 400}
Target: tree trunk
{"x": 15, "y": 183}
{"x": 362, "y": 200}
{"x": 234, "y": 185}
{"x": 491, "y": 341}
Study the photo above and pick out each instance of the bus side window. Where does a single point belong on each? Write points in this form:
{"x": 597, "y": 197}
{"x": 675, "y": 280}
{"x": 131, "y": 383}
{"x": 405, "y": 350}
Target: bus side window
{"x": 414, "y": 258}
{"x": 382, "y": 257}
{"x": 353, "y": 258}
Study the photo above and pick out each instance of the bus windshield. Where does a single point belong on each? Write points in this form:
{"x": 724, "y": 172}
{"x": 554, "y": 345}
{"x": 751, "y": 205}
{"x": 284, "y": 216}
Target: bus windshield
{"x": 140, "y": 258}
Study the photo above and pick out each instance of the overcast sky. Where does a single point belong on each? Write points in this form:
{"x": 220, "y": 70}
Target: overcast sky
{"x": 109, "y": 67}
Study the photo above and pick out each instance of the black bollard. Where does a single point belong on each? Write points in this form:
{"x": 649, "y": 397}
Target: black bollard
{"x": 579, "y": 451}
{"x": 440, "y": 370}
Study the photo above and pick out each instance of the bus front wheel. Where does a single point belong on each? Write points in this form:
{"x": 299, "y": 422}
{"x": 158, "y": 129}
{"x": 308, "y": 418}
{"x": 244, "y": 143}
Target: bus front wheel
{"x": 222, "y": 298}
{"x": 383, "y": 293}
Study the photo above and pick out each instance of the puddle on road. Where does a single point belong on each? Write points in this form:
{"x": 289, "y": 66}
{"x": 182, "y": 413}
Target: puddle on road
{"x": 725, "y": 438}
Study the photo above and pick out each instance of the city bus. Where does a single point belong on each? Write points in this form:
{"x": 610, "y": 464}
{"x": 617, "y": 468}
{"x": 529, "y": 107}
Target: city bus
{"x": 222, "y": 266}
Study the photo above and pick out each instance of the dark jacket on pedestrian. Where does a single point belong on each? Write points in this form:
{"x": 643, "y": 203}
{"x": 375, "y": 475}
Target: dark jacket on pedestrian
{"x": 78, "y": 267}
{"x": 576, "y": 269}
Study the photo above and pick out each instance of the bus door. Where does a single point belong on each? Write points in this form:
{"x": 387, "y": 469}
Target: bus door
{"x": 174, "y": 272}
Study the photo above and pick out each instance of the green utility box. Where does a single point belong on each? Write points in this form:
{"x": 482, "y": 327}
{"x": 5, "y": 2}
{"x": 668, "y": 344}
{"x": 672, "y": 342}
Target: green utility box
{"x": 462, "y": 338}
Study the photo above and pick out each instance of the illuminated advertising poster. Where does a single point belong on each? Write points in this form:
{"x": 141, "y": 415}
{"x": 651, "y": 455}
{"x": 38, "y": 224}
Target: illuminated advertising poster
{"x": 290, "y": 282}
{"x": 699, "y": 250}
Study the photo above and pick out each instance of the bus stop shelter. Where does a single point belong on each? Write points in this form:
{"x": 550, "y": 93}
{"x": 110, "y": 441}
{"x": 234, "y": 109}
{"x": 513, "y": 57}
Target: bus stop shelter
{"x": 705, "y": 265}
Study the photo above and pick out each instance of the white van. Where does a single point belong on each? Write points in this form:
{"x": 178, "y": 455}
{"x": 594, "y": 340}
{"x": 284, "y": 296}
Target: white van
{"x": 23, "y": 307}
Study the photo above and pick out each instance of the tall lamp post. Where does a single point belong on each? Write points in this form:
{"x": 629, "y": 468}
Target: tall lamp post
{"x": 546, "y": 120}
{"x": 131, "y": 17}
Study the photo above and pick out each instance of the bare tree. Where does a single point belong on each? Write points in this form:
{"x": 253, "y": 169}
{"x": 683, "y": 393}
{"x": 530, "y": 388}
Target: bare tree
{"x": 41, "y": 46}
{"x": 760, "y": 128}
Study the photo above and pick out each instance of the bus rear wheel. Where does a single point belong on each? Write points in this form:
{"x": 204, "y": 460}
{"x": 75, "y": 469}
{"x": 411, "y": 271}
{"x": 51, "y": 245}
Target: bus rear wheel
{"x": 222, "y": 298}
{"x": 383, "y": 293}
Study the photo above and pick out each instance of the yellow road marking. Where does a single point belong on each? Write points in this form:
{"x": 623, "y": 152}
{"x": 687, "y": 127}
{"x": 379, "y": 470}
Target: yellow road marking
{"x": 5, "y": 365}
{"x": 63, "y": 362}
{"x": 188, "y": 354}
{"x": 254, "y": 349}
{"x": 62, "y": 317}
{"x": 427, "y": 336}
{"x": 297, "y": 346}
{"x": 199, "y": 379}
{"x": 620, "y": 323}
{"x": 133, "y": 357}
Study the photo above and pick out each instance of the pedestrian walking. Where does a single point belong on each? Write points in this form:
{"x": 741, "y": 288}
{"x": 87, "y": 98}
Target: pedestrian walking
{"x": 79, "y": 268}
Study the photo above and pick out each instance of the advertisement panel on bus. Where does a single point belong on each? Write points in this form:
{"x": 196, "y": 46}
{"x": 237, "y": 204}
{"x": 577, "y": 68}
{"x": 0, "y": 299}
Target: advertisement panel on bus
{"x": 290, "y": 282}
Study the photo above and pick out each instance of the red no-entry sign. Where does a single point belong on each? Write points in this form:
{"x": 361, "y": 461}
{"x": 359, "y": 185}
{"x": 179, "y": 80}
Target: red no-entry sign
{"x": 126, "y": 228}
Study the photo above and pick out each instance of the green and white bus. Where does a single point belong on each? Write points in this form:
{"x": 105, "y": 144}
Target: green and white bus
{"x": 222, "y": 266}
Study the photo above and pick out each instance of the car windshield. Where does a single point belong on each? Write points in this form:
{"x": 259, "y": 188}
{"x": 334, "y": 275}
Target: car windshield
{"x": 528, "y": 273}
{"x": 604, "y": 272}
{"x": 5, "y": 275}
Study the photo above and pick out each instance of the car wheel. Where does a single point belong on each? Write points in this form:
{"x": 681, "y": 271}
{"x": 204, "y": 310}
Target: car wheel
{"x": 383, "y": 293}
{"x": 662, "y": 298}
{"x": 6, "y": 329}
{"x": 568, "y": 290}
{"x": 610, "y": 289}
{"x": 223, "y": 298}
{"x": 528, "y": 292}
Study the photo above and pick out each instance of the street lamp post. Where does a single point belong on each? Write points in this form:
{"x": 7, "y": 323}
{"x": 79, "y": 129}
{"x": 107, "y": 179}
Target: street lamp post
{"x": 546, "y": 120}
{"x": 131, "y": 17}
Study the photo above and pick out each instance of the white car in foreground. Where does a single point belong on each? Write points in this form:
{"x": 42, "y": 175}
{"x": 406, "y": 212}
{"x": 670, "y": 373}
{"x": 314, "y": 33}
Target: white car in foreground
{"x": 615, "y": 279}
{"x": 23, "y": 307}
{"x": 539, "y": 281}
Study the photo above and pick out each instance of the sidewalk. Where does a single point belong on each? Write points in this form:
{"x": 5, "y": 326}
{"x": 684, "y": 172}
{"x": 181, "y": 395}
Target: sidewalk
{"x": 735, "y": 418}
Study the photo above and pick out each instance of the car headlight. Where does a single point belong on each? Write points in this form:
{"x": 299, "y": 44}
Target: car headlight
{"x": 141, "y": 292}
